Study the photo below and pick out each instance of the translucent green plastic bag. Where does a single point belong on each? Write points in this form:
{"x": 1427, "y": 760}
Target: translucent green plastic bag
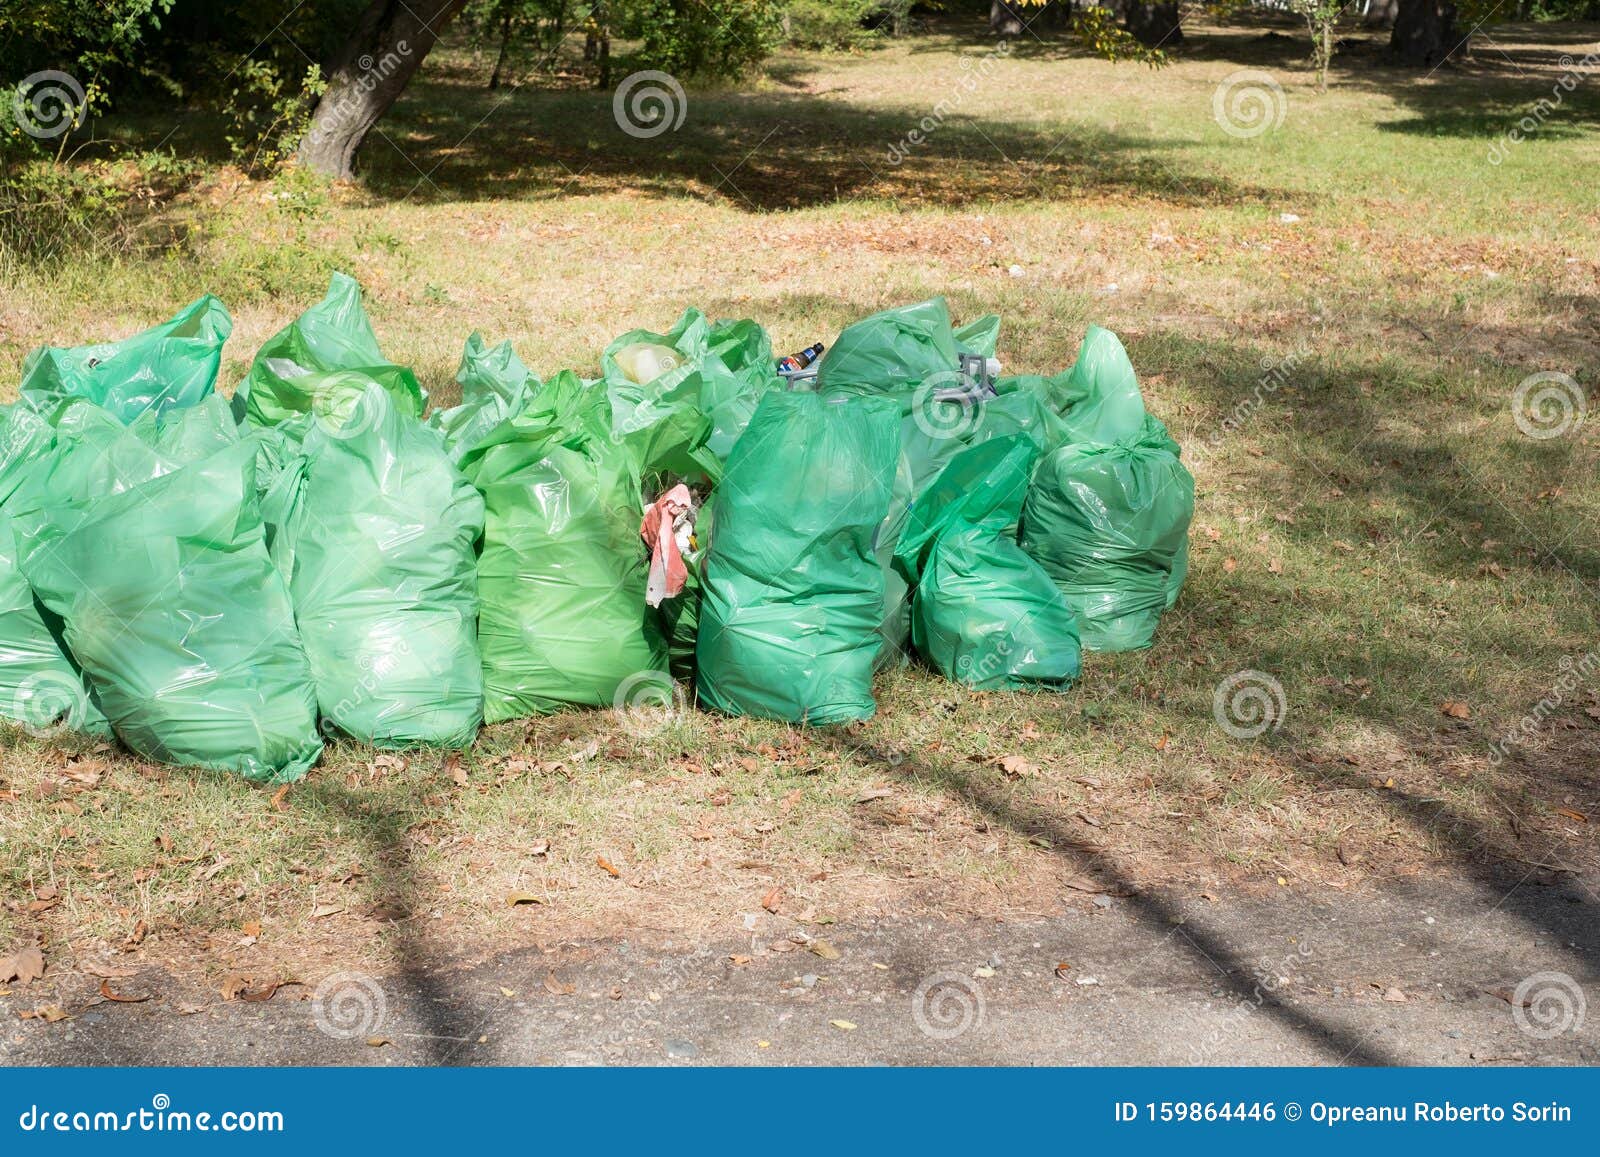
{"x": 172, "y": 606}
{"x": 170, "y": 366}
{"x": 374, "y": 535}
{"x": 41, "y": 687}
{"x": 562, "y": 573}
{"x": 715, "y": 372}
{"x": 1108, "y": 514}
{"x": 332, "y": 335}
{"x": 793, "y": 592}
{"x": 912, "y": 355}
{"x": 495, "y": 385}
{"x": 984, "y": 613}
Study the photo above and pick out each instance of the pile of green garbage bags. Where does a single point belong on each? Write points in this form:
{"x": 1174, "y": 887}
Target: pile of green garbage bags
{"x": 230, "y": 583}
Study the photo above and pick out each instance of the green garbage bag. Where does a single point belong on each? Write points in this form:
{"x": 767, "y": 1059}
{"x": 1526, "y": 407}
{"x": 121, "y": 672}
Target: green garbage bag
{"x": 1108, "y": 513}
{"x": 793, "y": 593}
{"x": 41, "y": 687}
{"x": 562, "y": 572}
{"x": 719, "y": 369}
{"x": 984, "y": 613}
{"x": 911, "y": 354}
{"x": 173, "y": 609}
{"x": 332, "y": 335}
{"x": 375, "y": 536}
{"x": 172, "y": 365}
{"x": 495, "y": 385}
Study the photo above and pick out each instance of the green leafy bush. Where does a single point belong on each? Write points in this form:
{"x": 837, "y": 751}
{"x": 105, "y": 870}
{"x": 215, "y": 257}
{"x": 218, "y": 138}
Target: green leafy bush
{"x": 840, "y": 25}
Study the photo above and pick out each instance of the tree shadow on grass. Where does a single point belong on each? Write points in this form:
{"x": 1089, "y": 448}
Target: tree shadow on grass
{"x": 764, "y": 151}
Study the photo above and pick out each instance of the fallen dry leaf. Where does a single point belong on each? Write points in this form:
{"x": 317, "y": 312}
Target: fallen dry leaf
{"x": 454, "y": 769}
{"x": 517, "y": 898}
{"x": 119, "y": 998}
{"x": 738, "y": 958}
{"x": 1576, "y": 816}
{"x": 556, "y": 987}
{"x": 1456, "y": 709}
{"x": 608, "y": 866}
{"x": 1016, "y": 766}
{"x": 773, "y": 899}
{"x": 238, "y": 986}
{"x": 102, "y": 969}
{"x": 823, "y": 949}
{"x": 874, "y": 793}
{"x": 845, "y": 1025}
{"x": 26, "y": 965}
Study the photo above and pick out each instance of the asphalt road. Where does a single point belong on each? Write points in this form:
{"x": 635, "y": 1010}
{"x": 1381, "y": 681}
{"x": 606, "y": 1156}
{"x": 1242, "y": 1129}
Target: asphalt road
{"x": 1424, "y": 973}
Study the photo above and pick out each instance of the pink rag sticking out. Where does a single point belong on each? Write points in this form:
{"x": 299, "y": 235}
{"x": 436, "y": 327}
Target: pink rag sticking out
{"x": 667, "y": 572}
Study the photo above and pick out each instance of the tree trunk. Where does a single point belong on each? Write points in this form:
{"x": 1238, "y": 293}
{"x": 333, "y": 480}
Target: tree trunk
{"x": 372, "y": 70}
{"x": 1380, "y": 14}
{"x": 1154, "y": 25}
{"x": 1425, "y": 32}
{"x": 505, "y": 45}
{"x": 1004, "y": 20}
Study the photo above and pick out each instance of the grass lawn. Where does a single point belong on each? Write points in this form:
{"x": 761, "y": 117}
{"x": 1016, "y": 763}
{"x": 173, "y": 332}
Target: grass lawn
{"x": 1331, "y": 316}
